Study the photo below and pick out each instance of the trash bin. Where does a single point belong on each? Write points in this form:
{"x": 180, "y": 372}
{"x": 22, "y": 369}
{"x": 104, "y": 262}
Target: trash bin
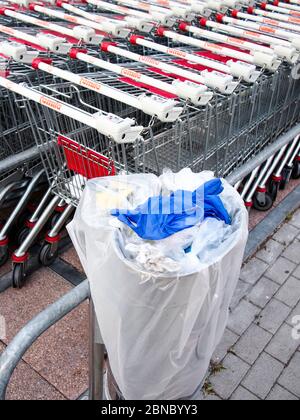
{"x": 160, "y": 323}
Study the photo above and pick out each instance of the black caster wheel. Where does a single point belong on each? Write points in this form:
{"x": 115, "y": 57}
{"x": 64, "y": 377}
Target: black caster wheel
{"x": 19, "y": 276}
{"x": 273, "y": 190}
{"x": 4, "y": 255}
{"x": 48, "y": 254}
{"x": 262, "y": 202}
{"x": 23, "y": 235}
{"x": 296, "y": 170}
{"x": 286, "y": 176}
{"x": 22, "y": 219}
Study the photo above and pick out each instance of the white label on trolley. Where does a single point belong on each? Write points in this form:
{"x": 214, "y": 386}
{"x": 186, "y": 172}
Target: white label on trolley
{"x": 90, "y": 84}
{"x": 177, "y": 53}
{"x": 131, "y": 74}
{"x": 50, "y": 103}
{"x": 149, "y": 60}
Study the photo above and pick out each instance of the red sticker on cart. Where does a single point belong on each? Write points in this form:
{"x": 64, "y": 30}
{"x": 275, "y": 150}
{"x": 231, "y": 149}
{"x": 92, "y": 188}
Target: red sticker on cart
{"x": 84, "y": 161}
{"x": 267, "y": 29}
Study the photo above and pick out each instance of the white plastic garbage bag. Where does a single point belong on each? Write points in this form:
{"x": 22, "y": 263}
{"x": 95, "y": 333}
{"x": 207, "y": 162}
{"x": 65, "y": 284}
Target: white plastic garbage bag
{"x": 160, "y": 329}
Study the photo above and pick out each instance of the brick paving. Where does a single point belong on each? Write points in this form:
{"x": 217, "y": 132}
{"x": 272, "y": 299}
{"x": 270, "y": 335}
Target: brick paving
{"x": 262, "y": 361}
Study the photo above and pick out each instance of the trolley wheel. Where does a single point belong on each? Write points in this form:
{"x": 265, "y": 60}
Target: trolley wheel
{"x": 48, "y": 254}
{"x": 273, "y": 190}
{"x": 19, "y": 275}
{"x": 4, "y": 255}
{"x": 296, "y": 170}
{"x": 23, "y": 235}
{"x": 262, "y": 203}
{"x": 22, "y": 218}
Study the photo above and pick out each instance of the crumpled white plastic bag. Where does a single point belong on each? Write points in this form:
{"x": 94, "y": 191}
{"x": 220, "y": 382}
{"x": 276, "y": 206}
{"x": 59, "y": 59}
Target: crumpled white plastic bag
{"x": 160, "y": 330}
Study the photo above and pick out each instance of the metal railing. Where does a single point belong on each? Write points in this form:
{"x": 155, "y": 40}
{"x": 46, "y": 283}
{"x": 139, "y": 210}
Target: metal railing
{"x": 14, "y": 352}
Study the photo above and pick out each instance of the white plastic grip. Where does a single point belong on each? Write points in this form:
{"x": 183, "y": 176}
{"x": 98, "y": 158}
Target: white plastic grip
{"x": 233, "y": 4}
{"x": 183, "y": 13}
{"x": 268, "y": 61}
{"x": 141, "y": 25}
{"x": 198, "y": 94}
{"x": 87, "y": 34}
{"x": 166, "y": 110}
{"x": 216, "y": 5}
{"x": 24, "y": 3}
{"x": 290, "y": 54}
{"x": 244, "y": 71}
{"x": 201, "y": 9}
{"x": 165, "y": 19}
{"x": 296, "y": 43}
{"x": 117, "y": 30}
{"x": 119, "y": 129}
{"x": 222, "y": 82}
{"x": 18, "y": 52}
{"x": 53, "y": 43}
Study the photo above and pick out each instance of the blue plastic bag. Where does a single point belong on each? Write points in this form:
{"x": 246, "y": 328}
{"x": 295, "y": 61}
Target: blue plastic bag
{"x": 162, "y": 216}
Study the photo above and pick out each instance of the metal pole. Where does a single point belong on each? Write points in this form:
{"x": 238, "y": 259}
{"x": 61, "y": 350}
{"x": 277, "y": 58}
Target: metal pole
{"x": 96, "y": 358}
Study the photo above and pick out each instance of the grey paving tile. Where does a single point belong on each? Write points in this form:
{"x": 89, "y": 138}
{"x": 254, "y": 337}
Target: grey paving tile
{"x": 263, "y": 292}
{"x": 289, "y": 293}
{"x": 283, "y": 345}
{"x": 242, "y": 317}
{"x": 290, "y": 378}
{"x": 252, "y": 344}
{"x": 263, "y": 376}
{"x": 242, "y": 394}
{"x": 280, "y": 270}
{"x": 286, "y": 234}
{"x": 295, "y": 221}
{"x": 294, "y": 318}
{"x": 226, "y": 381}
{"x": 270, "y": 252}
{"x": 280, "y": 394}
{"x": 296, "y": 273}
{"x": 293, "y": 252}
{"x": 253, "y": 270}
{"x": 241, "y": 291}
{"x": 27, "y": 385}
{"x": 228, "y": 340}
{"x": 274, "y": 315}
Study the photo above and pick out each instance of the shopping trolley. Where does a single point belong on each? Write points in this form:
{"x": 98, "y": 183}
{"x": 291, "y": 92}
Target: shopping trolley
{"x": 261, "y": 187}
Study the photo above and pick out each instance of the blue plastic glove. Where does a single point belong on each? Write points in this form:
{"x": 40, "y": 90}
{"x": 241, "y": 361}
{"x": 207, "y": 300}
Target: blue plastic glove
{"x": 160, "y": 217}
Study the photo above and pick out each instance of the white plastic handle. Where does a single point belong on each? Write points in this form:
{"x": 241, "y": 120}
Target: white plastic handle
{"x": 113, "y": 27}
{"x": 17, "y": 52}
{"x": 166, "y": 110}
{"x": 202, "y": 99}
{"x": 219, "y": 49}
{"x": 85, "y": 34}
{"x": 216, "y": 81}
{"x": 112, "y": 126}
{"x": 109, "y": 27}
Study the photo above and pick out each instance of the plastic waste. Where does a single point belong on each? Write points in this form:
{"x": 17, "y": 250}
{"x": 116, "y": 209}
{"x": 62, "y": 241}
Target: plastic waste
{"x": 161, "y": 311}
{"x": 162, "y": 216}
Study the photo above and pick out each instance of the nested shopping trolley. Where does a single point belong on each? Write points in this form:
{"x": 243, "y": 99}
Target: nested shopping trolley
{"x": 21, "y": 171}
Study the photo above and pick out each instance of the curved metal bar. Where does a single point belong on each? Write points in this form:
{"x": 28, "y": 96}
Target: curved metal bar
{"x": 35, "y": 328}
